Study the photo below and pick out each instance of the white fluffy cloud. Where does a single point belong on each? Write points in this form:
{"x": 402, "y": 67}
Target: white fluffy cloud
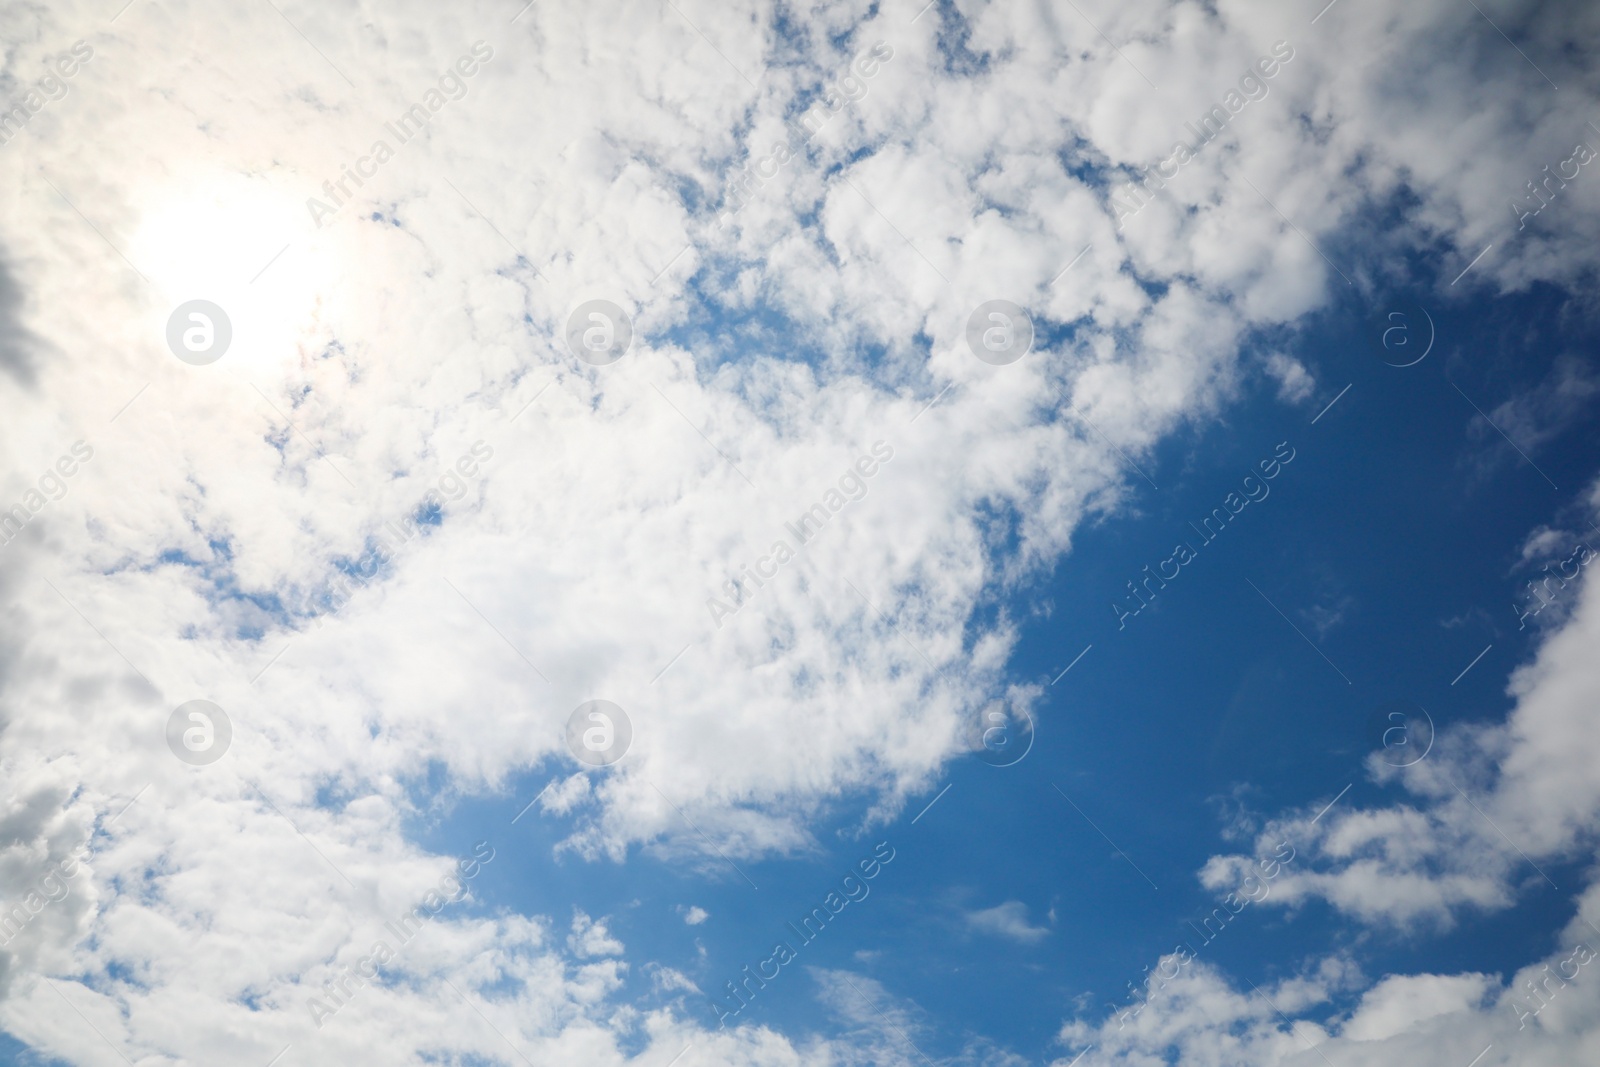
{"x": 1547, "y": 1012}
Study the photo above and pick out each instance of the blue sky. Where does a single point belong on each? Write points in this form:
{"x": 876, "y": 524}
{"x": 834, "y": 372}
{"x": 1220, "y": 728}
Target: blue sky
{"x": 343, "y": 550}
{"x": 1388, "y": 541}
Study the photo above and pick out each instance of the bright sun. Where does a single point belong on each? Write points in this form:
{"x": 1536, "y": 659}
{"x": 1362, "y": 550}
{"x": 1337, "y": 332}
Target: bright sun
{"x": 241, "y": 244}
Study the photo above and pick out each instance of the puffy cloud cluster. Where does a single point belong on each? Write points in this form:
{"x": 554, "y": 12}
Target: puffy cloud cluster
{"x": 1546, "y": 1012}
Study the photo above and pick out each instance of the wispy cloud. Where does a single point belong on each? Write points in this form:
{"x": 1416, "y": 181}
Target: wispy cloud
{"x": 1008, "y": 920}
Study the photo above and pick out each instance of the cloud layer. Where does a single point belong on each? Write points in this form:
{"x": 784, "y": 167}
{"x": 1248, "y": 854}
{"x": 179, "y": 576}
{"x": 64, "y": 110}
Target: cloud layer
{"x": 423, "y": 324}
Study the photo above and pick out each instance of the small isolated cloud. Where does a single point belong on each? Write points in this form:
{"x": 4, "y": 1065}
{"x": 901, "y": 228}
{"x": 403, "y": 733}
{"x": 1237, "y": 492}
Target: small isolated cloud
{"x": 560, "y": 799}
{"x": 1323, "y": 617}
{"x": 1475, "y": 615}
{"x": 1295, "y": 383}
{"x": 1007, "y": 920}
{"x": 590, "y": 938}
{"x": 694, "y": 915}
{"x": 1543, "y": 542}
{"x": 669, "y": 980}
{"x": 1547, "y": 410}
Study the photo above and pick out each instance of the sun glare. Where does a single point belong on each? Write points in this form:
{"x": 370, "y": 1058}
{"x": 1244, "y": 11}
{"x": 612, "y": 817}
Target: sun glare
{"x": 241, "y": 244}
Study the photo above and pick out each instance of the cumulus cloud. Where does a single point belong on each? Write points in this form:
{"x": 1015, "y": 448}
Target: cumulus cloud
{"x": 1434, "y": 1020}
{"x": 1405, "y": 1002}
{"x": 1295, "y": 383}
{"x": 1547, "y": 1011}
{"x": 589, "y": 937}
